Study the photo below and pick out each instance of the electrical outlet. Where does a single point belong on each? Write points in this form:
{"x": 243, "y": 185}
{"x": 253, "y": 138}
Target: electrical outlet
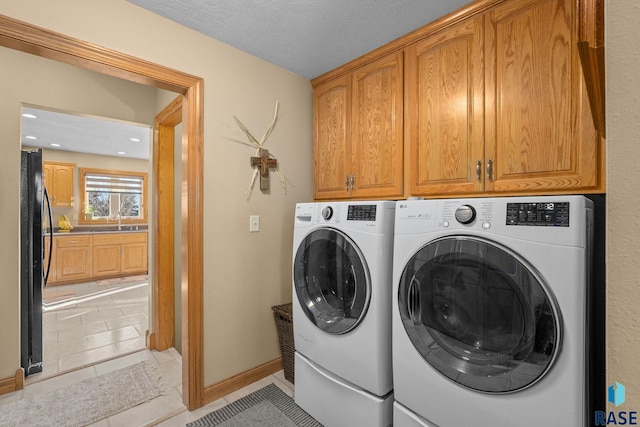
{"x": 254, "y": 223}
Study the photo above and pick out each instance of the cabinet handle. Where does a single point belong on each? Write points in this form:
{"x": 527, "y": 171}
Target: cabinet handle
{"x": 353, "y": 182}
{"x": 479, "y": 170}
{"x": 490, "y": 170}
{"x": 346, "y": 182}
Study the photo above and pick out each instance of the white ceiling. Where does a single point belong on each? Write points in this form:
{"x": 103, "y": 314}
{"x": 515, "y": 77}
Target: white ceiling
{"x": 307, "y": 37}
{"x": 84, "y": 134}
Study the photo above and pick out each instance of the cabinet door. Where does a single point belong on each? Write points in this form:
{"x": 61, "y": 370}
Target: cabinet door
{"x": 445, "y": 117}
{"x": 377, "y": 128}
{"x": 539, "y": 132}
{"x": 107, "y": 260}
{"x": 331, "y": 144}
{"x": 134, "y": 258}
{"x": 47, "y": 173}
{"x": 63, "y": 185}
{"x": 73, "y": 258}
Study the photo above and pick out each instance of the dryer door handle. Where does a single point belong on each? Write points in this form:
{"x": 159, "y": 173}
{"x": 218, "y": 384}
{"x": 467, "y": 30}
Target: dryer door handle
{"x": 413, "y": 300}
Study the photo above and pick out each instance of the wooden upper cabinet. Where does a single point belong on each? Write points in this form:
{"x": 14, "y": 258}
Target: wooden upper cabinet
{"x": 358, "y": 132}
{"x": 445, "y": 110}
{"x": 377, "y": 129}
{"x": 540, "y": 135}
{"x": 331, "y": 145}
{"x": 58, "y": 178}
{"x": 488, "y": 101}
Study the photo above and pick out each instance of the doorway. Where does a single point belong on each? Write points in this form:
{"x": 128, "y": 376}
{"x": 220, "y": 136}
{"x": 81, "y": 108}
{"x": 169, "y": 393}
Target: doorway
{"x": 28, "y": 38}
{"x": 95, "y": 304}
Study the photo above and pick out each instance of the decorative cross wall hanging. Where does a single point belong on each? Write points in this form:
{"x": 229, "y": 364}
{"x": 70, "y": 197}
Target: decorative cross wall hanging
{"x": 263, "y": 160}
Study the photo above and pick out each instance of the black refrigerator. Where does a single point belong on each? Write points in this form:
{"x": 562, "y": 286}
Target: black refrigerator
{"x": 33, "y": 268}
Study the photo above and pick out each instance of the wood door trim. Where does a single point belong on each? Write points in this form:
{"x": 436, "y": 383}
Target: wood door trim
{"x": 164, "y": 224}
{"x": 11, "y": 384}
{"x": 35, "y": 40}
{"x": 236, "y": 382}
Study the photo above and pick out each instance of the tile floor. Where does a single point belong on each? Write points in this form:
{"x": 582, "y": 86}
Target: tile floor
{"x": 94, "y": 328}
{"x": 91, "y": 322}
{"x": 166, "y": 410}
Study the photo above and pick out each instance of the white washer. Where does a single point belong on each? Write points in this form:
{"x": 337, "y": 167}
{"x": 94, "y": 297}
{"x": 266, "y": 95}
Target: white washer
{"x": 489, "y": 311}
{"x": 342, "y": 270}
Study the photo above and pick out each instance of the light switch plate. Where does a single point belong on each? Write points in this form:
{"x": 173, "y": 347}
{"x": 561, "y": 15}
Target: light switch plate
{"x": 254, "y": 223}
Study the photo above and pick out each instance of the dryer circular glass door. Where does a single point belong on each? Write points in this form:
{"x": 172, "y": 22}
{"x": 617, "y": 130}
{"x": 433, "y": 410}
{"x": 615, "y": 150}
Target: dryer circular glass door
{"x": 331, "y": 280}
{"x": 479, "y": 315}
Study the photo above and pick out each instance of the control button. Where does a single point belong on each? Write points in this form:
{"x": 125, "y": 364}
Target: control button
{"x": 486, "y": 225}
{"x": 445, "y": 224}
{"x": 327, "y": 213}
{"x": 465, "y": 214}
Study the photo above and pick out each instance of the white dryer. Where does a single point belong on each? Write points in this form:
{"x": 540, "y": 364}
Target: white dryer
{"x": 489, "y": 311}
{"x": 342, "y": 270}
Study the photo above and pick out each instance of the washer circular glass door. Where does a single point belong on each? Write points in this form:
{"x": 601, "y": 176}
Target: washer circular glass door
{"x": 331, "y": 280}
{"x": 478, "y": 314}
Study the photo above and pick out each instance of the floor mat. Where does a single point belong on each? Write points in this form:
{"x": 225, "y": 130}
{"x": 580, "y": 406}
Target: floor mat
{"x": 266, "y": 407}
{"x": 87, "y": 401}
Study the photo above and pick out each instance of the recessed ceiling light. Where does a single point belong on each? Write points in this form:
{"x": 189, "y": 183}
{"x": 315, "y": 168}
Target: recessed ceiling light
{"x": 55, "y": 145}
{"x": 134, "y": 139}
{"x": 121, "y": 152}
{"x": 31, "y": 137}
{"x": 29, "y": 116}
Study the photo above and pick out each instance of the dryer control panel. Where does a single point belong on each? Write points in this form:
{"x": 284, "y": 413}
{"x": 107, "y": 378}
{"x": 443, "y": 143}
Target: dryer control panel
{"x": 547, "y": 214}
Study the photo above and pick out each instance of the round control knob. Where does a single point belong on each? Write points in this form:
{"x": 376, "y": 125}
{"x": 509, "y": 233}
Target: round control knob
{"x": 465, "y": 214}
{"x": 327, "y": 213}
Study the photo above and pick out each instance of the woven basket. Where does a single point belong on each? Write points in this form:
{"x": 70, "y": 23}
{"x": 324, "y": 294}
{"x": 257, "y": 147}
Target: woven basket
{"x": 284, "y": 323}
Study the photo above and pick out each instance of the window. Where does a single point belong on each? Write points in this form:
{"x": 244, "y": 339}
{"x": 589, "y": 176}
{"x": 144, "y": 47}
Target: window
{"x": 113, "y": 196}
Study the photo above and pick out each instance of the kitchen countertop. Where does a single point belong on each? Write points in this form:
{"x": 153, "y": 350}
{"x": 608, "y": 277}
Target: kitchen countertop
{"x": 97, "y": 230}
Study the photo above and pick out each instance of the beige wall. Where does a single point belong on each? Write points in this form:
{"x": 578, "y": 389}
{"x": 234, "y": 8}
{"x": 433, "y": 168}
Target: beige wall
{"x": 244, "y": 274}
{"x": 623, "y": 196}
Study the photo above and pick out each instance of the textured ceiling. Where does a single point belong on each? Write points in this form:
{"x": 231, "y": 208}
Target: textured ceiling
{"x": 307, "y": 37}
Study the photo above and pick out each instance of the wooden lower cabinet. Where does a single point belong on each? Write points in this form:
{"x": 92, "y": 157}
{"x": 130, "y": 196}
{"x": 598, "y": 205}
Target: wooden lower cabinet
{"x": 119, "y": 254}
{"x": 73, "y": 257}
{"x": 134, "y": 257}
{"x": 106, "y": 260}
{"x": 95, "y": 256}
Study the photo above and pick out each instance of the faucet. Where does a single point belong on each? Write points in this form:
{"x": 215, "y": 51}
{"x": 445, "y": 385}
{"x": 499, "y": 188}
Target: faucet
{"x": 119, "y": 215}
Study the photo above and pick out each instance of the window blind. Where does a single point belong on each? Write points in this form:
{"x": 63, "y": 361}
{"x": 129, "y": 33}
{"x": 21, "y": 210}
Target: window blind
{"x": 113, "y": 184}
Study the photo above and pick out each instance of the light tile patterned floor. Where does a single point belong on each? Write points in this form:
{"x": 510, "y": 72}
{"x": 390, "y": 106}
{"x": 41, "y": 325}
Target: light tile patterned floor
{"x": 89, "y": 331}
{"x": 166, "y": 410}
{"x": 88, "y": 323}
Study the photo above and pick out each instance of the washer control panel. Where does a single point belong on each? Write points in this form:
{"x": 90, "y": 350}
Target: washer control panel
{"x": 548, "y": 214}
{"x": 361, "y": 213}
{"x": 327, "y": 212}
{"x": 465, "y": 214}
